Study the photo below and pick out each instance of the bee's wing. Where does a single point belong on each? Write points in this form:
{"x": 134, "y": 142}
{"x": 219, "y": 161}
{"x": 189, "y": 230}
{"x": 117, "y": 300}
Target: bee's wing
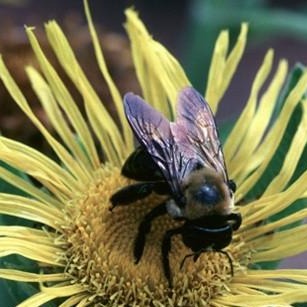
{"x": 195, "y": 129}
{"x": 154, "y": 132}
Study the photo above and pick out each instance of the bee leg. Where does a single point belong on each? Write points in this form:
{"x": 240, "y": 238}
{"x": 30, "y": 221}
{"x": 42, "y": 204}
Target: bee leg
{"x": 144, "y": 229}
{"x": 131, "y": 193}
{"x": 166, "y": 247}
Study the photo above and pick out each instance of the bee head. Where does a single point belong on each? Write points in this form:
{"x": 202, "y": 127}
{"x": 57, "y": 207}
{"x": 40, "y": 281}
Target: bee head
{"x": 208, "y": 193}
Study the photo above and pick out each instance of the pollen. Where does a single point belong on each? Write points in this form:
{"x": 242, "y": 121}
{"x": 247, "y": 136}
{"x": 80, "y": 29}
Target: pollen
{"x": 100, "y": 252}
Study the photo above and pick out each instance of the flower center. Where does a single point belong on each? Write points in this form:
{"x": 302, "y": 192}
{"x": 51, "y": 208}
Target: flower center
{"x": 100, "y": 253}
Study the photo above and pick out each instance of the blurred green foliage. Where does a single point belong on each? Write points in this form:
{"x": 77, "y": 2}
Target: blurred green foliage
{"x": 206, "y": 18}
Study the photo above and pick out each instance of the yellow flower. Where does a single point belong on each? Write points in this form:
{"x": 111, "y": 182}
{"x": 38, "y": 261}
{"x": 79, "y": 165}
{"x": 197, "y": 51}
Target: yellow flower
{"x": 84, "y": 251}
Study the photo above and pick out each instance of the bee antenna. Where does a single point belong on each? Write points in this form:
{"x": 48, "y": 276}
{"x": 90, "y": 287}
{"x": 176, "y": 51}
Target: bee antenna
{"x": 232, "y": 185}
{"x": 194, "y": 255}
{"x": 229, "y": 259}
{"x": 184, "y": 259}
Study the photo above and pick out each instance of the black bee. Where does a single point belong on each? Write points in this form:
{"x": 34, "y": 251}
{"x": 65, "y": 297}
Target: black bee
{"x": 182, "y": 159}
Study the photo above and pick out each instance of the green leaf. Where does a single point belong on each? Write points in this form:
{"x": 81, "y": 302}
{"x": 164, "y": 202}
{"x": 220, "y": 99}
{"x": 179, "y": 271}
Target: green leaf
{"x": 208, "y": 18}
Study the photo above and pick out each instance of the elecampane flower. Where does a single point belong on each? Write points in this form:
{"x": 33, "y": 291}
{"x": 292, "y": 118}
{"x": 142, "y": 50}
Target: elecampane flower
{"x": 83, "y": 252}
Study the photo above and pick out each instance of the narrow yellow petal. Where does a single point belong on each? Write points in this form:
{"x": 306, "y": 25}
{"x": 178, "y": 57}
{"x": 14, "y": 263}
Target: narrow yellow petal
{"x": 64, "y": 99}
{"x": 85, "y": 302}
{"x": 112, "y": 87}
{"x": 62, "y": 153}
{"x": 268, "y": 148}
{"x": 62, "y": 291}
{"x": 298, "y": 275}
{"x": 277, "y": 202}
{"x": 37, "y": 165}
{"x": 238, "y": 132}
{"x": 259, "y": 124}
{"x": 71, "y": 66}
{"x": 37, "y": 300}
{"x": 74, "y": 300}
{"x": 150, "y": 56}
{"x": 30, "y": 209}
{"x": 293, "y": 155}
{"x": 33, "y": 235}
{"x": 266, "y": 285}
{"x": 280, "y": 245}
{"x": 222, "y": 68}
{"x": 31, "y": 277}
{"x": 56, "y": 118}
{"x": 254, "y": 232}
{"x": 32, "y": 250}
{"x": 29, "y": 188}
{"x": 276, "y": 300}
{"x": 217, "y": 68}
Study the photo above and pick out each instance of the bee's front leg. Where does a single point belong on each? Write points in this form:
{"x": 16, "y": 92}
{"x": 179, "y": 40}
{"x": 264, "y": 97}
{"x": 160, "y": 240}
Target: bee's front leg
{"x": 236, "y": 220}
{"x": 131, "y": 193}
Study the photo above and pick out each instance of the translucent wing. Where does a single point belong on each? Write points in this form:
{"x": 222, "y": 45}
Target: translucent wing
{"x": 196, "y": 130}
{"x": 154, "y": 132}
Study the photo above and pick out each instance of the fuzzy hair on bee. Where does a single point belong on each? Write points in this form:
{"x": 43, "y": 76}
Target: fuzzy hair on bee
{"x": 184, "y": 161}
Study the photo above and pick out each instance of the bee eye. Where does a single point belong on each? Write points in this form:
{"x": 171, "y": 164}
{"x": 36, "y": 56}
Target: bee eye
{"x": 232, "y": 185}
{"x": 208, "y": 194}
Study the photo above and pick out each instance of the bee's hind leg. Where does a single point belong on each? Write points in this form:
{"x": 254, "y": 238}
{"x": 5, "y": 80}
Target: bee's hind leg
{"x": 166, "y": 248}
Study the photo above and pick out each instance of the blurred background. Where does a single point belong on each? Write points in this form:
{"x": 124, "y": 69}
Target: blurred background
{"x": 187, "y": 28}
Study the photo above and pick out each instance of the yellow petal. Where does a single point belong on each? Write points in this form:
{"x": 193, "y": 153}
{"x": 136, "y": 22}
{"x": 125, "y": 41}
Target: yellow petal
{"x": 31, "y": 234}
{"x": 276, "y": 300}
{"x": 298, "y": 275}
{"x": 267, "y": 206}
{"x": 37, "y": 300}
{"x": 294, "y": 153}
{"x": 259, "y": 123}
{"x": 37, "y": 165}
{"x": 269, "y": 145}
{"x": 111, "y": 85}
{"x": 238, "y": 132}
{"x": 255, "y": 232}
{"x": 154, "y": 65}
{"x": 106, "y": 127}
{"x": 74, "y": 300}
{"x": 32, "y": 250}
{"x": 31, "y": 277}
{"x": 62, "y": 153}
{"x": 56, "y": 118}
{"x": 222, "y": 68}
{"x": 29, "y": 188}
{"x": 30, "y": 209}
{"x": 280, "y": 245}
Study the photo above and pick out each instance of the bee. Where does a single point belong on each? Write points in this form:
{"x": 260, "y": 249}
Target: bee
{"x": 184, "y": 161}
